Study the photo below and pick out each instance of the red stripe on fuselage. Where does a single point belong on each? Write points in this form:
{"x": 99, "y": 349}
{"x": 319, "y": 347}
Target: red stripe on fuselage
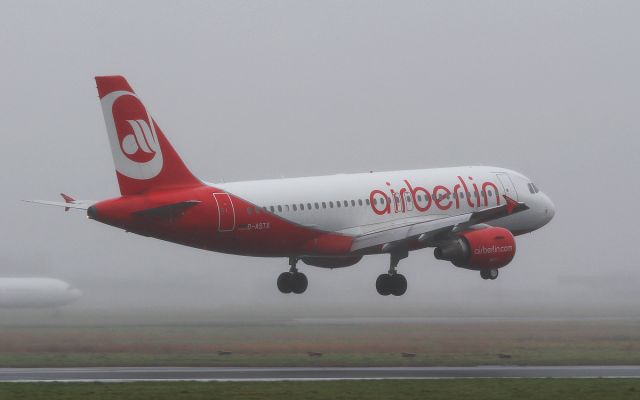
{"x": 254, "y": 234}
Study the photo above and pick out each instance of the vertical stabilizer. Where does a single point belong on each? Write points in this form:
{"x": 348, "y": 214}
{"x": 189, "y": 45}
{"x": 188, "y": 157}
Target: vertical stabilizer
{"x": 143, "y": 157}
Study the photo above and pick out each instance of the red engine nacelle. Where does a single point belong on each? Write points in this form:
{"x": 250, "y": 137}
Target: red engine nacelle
{"x": 479, "y": 249}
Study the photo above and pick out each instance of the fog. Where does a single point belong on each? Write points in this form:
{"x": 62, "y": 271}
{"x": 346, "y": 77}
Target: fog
{"x": 252, "y": 90}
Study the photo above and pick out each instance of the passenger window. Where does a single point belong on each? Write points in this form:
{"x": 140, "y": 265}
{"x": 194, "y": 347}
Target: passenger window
{"x": 346, "y": 203}
{"x": 324, "y": 205}
{"x": 317, "y": 206}
{"x": 490, "y": 193}
{"x": 279, "y": 208}
{"x": 295, "y": 208}
{"x": 309, "y": 206}
{"x": 331, "y": 204}
{"x": 462, "y": 195}
{"x": 338, "y": 204}
{"x": 353, "y": 203}
{"x": 368, "y": 202}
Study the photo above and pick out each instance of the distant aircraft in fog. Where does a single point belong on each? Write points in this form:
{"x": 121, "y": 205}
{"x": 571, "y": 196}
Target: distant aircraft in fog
{"x": 469, "y": 215}
{"x": 36, "y": 293}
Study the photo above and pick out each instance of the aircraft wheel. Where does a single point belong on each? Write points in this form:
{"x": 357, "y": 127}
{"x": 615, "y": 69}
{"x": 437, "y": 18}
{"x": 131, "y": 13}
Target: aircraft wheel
{"x": 399, "y": 284}
{"x": 285, "y": 282}
{"x": 299, "y": 283}
{"x": 383, "y": 284}
{"x": 489, "y": 274}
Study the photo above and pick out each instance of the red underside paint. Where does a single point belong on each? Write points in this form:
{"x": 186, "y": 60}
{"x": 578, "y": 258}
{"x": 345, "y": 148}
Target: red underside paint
{"x": 262, "y": 234}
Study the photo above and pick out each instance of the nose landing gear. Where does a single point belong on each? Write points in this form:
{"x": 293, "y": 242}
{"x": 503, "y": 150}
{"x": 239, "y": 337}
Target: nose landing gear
{"x": 491, "y": 274}
{"x": 292, "y": 281}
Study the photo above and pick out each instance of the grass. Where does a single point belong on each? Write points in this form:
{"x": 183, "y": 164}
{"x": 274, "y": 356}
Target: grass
{"x": 372, "y": 344}
{"x": 475, "y": 389}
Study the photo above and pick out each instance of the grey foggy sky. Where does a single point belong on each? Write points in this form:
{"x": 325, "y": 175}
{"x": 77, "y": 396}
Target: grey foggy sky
{"x": 248, "y": 90}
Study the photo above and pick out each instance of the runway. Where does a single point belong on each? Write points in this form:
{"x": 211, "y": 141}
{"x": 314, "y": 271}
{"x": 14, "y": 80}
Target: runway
{"x": 126, "y": 374}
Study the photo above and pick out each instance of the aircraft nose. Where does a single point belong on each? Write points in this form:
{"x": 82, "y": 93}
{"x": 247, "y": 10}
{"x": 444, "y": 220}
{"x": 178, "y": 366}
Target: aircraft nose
{"x": 549, "y": 208}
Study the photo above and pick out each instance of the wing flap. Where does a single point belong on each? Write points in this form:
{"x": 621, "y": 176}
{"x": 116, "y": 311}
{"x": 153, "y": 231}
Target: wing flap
{"x": 423, "y": 230}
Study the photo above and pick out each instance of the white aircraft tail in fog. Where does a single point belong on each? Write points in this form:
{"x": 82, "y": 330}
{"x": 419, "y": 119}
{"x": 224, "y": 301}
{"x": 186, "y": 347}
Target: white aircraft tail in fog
{"x": 36, "y": 293}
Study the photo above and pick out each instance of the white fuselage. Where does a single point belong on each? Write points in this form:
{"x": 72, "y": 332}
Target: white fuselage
{"x": 344, "y": 201}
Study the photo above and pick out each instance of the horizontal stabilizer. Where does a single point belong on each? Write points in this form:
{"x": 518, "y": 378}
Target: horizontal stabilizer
{"x": 167, "y": 211}
{"x": 77, "y": 204}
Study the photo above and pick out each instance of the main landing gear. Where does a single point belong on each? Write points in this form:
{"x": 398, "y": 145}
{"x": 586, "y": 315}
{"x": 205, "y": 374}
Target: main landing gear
{"x": 292, "y": 281}
{"x": 491, "y": 274}
{"x": 392, "y": 282}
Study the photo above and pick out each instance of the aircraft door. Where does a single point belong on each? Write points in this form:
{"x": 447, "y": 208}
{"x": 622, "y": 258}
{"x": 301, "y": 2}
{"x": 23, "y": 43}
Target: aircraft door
{"x": 226, "y": 212}
{"x": 408, "y": 202}
{"x": 508, "y": 186}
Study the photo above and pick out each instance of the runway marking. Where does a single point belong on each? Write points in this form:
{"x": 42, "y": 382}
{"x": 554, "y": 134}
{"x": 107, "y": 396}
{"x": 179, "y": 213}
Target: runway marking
{"x": 258, "y": 374}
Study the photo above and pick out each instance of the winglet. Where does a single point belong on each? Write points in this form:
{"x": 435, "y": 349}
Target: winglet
{"x": 511, "y": 204}
{"x": 67, "y": 199}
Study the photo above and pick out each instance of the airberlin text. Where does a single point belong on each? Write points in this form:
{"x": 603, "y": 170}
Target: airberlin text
{"x": 493, "y": 250}
{"x": 421, "y": 199}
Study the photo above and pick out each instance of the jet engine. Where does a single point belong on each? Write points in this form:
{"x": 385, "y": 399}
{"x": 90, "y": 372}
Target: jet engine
{"x": 331, "y": 262}
{"x": 486, "y": 248}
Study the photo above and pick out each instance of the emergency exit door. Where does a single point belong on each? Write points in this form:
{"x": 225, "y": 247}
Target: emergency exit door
{"x": 226, "y": 212}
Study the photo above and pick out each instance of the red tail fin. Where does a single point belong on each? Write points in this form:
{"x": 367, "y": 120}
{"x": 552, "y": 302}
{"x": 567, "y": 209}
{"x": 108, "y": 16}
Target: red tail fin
{"x": 143, "y": 157}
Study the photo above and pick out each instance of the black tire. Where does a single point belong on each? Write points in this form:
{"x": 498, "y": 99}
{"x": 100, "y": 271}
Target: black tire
{"x": 285, "y": 282}
{"x": 484, "y": 274}
{"x": 399, "y": 285}
{"x": 299, "y": 283}
{"x": 493, "y": 274}
{"x": 383, "y": 284}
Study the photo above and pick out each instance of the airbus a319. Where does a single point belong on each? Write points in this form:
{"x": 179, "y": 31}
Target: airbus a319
{"x": 469, "y": 215}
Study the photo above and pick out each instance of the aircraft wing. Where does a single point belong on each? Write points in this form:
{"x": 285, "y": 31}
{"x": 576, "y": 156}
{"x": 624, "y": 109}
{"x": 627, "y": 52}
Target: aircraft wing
{"x": 427, "y": 230}
{"x": 69, "y": 202}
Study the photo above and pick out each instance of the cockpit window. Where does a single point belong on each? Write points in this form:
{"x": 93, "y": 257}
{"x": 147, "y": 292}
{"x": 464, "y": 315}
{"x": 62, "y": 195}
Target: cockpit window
{"x": 533, "y": 188}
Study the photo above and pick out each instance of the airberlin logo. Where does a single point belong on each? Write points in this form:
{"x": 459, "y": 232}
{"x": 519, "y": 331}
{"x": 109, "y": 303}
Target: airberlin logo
{"x": 134, "y": 143}
{"x": 410, "y": 197}
{"x": 140, "y": 140}
{"x": 492, "y": 250}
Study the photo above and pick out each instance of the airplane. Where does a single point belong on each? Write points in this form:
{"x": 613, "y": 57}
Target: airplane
{"x": 36, "y": 293}
{"x": 469, "y": 215}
